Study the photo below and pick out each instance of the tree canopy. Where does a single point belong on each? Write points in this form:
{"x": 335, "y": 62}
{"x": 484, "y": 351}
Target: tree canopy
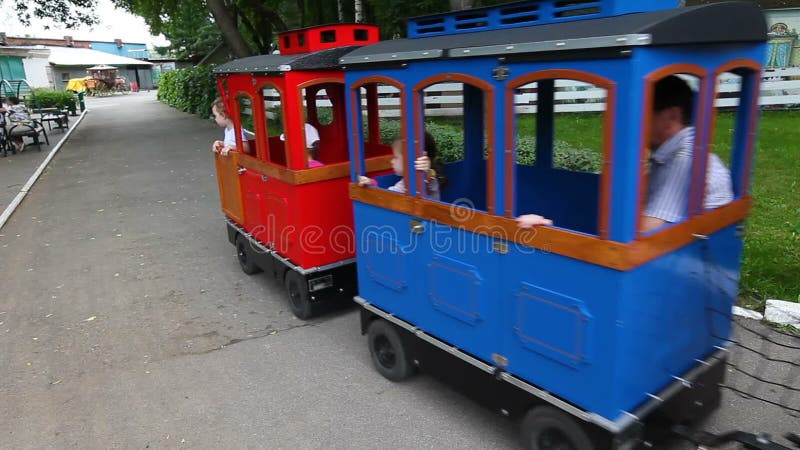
{"x": 68, "y": 13}
{"x": 195, "y": 27}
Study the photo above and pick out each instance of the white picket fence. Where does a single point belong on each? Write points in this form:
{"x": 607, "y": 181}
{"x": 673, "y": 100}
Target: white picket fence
{"x": 780, "y": 88}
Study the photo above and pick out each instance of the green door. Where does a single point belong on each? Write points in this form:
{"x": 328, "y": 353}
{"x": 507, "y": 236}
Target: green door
{"x": 11, "y": 68}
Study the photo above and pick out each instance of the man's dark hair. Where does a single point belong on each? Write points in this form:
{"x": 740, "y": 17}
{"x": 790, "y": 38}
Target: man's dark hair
{"x": 673, "y": 91}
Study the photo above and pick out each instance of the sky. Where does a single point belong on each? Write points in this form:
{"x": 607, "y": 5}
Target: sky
{"x": 114, "y": 24}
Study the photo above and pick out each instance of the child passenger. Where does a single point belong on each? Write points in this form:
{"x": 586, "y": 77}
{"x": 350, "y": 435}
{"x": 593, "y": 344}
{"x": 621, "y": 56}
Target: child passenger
{"x": 224, "y": 120}
{"x": 312, "y": 145}
{"x": 422, "y": 164}
{"x": 312, "y": 153}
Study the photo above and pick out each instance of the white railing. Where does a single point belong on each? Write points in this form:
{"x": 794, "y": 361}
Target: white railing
{"x": 779, "y": 88}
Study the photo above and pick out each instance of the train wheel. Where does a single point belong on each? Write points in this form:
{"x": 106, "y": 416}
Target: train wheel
{"x": 548, "y": 428}
{"x": 297, "y": 288}
{"x": 389, "y": 354}
{"x": 244, "y": 253}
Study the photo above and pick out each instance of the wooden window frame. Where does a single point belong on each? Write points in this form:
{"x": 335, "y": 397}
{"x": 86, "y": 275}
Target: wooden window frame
{"x": 754, "y": 70}
{"x": 609, "y": 117}
{"x": 488, "y": 125}
{"x": 362, "y": 166}
{"x": 263, "y": 143}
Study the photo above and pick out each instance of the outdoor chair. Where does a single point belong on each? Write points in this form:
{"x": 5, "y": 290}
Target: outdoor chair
{"x": 31, "y": 129}
{"x": 5, "y": 143}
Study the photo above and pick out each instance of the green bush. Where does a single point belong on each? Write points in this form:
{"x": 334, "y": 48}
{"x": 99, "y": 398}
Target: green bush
{"x": 48, "y": 98}
{"x": 564, "y": 156}
{"x": 191, "y": 90}
{"x": 450, "y": 143}
{"x": 390, "y": 130}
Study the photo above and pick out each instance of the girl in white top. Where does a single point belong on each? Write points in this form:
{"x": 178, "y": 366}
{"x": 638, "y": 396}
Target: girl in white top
{"x": 224, "y": 120}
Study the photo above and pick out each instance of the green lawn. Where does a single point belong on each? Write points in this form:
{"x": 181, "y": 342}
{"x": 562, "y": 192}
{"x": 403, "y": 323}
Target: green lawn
{"x": 772, "y": 245}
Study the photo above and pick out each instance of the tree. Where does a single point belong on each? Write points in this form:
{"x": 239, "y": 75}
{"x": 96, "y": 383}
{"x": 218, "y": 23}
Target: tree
{"x": 248, "y": 27}
{"x": 225, "y": 16}
{"x": 359, "y": 7}
{"x": 69, "y": 13}
{"x": 192, "y": 34}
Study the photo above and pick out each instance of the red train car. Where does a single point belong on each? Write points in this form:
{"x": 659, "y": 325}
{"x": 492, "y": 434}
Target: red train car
{"x": 285, "y": 197}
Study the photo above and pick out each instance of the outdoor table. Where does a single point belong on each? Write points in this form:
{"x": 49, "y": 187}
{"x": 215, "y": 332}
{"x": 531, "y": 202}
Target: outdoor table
{"x": 51, "y": 115}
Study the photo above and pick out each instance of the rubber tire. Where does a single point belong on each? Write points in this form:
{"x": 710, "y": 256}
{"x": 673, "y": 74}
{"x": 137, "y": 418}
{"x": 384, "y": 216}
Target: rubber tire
{"x": 544, "y": 424}
{"x": 245, "y": 256}
{"x": 389, "y": 354}
{"x": 297, "y": 290}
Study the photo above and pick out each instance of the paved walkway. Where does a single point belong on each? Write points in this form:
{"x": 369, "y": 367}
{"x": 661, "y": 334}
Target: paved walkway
{"x": 16, "y": 169}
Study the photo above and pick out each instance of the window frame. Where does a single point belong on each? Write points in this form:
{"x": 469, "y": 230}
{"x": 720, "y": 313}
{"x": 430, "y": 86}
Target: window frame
{"x": 418, "y": 116}
{"x": 750, "y": 71}
{"x": 701, "y": 111}
{"x": 303, "y": 114}
{"x": 237, "y": 121}
{"x": 360, "y": 164}
{"x": 263, "y": 144}
{"x": 609, "y": 120}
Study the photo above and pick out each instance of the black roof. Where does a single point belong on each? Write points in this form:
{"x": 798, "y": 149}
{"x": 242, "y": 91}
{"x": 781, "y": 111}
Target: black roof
{"x": 715, "y": 23}
{"x": 320, "y": 60}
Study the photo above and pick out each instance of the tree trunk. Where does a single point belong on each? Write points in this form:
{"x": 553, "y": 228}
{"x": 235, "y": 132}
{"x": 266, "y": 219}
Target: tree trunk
{"x": 340, "y": 11}
{"x": 458, "y": 5}
{"x": 359, "y": 11}
{"x": 301, "y": 5}
{"x": 226, "y": 21}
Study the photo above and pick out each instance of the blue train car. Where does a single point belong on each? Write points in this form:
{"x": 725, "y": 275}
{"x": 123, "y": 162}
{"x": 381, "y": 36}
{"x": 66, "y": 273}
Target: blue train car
{"x": 600, "y": 319}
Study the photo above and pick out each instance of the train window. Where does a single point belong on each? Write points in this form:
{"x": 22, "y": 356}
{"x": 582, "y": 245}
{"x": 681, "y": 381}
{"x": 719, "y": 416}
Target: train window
{"x": 731, "y": 120}
{"x": 273, "y": 116}
{"x": 328, "y": 36}
{"x": 453, "y": 114}
{"x": 559, "y": 151}
{"x": 317, "y": 107}
{"x": 245, "y": 111}
{"x": 301, "y": 39}
{"x": 672, "y": 187}
{"x": 323, "y": 109}
{"x": 726, "y": 104}
{"x": 381, "y": 110}
{"x": 287, "y": 41}
{"x": 360, "y": 34}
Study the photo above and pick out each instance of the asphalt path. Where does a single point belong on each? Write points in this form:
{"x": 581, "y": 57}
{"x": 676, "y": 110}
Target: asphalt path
{"x": 126, "y": 322}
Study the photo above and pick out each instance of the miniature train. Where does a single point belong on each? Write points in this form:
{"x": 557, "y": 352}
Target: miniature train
{"x": 589, "y": 328}
{"x": 283, "y": 217}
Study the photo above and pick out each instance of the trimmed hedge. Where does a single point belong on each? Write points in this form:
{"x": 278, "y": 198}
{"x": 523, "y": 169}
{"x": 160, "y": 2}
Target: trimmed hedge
{"x": 48, "y": 98}
{"x": 450, "y": 143}
{"x": 190, "y": 90}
